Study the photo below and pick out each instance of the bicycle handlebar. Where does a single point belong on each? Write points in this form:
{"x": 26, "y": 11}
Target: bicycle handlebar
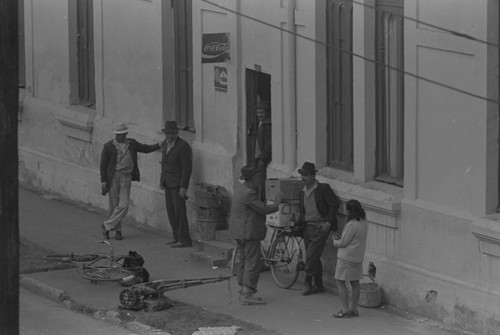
{"x": 109, "y": 246}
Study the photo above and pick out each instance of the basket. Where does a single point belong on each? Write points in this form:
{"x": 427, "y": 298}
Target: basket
{"x": 370, "y": 294}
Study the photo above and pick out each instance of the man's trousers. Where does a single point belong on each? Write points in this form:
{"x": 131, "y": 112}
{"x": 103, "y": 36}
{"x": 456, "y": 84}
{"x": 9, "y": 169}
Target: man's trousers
{"x": 248, "y": 263}
{"x": 177, "y": 215}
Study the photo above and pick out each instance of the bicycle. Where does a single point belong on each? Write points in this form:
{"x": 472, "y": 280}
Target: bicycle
{"x": 97, "y": 267}
{"x": 283, "y": 256}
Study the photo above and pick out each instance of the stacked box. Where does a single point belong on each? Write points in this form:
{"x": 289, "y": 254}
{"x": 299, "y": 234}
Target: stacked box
{"x": 284, "y": 215}
{"x": 289, "y": 187}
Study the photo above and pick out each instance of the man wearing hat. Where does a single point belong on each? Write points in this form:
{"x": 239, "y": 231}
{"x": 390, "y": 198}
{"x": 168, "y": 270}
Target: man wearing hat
{"x": 176, "y": 168}
{"x": 263, "y": 153}
{"x": 247, "y": 225}
{"x": 118, "y": 169}
{"x": 318, "y": 212}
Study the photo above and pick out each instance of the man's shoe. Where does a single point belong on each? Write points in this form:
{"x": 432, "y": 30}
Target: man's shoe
{"x": 307, "y": 290}
{"x": 118, "y": 236}
{"x": 105, "y": 233}
{"x": 308, "y": 286}
{"x": 251, "y": 300}
{"x": 317, "y": 289}
{"x": 172, "y": 242}
{"x": 182, "y": 245}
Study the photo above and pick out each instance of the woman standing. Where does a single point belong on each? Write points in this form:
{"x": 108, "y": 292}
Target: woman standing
{"x": 350, "y": 256}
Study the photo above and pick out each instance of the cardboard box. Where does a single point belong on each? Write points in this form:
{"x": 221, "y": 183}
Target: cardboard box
{"x": 290, "y": 187}
{"x": 283, "y": 216}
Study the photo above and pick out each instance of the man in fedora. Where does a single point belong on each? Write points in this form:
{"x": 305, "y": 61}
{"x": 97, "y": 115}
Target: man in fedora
{"x": 318, "y": 212}
{"x": 247, "y": 225}
{"x": 118, "y": 169}
{"x": 176, "y": 168}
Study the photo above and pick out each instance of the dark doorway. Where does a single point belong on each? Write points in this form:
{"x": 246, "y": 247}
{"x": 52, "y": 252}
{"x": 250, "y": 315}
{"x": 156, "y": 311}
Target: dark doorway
{"x": 258, "y": 88}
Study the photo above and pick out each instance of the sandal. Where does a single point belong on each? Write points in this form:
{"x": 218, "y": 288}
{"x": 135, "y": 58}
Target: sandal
{"x": 341, "y": 314}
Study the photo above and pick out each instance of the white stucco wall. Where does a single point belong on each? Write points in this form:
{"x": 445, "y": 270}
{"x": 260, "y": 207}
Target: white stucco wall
{"x": 132, "y": 61}
{"x": 448, "y": 126}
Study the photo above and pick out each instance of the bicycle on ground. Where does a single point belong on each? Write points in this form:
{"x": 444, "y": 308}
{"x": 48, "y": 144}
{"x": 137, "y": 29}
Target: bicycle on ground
{"x": 283, "y": 255}
{"x": 98, "y": 267}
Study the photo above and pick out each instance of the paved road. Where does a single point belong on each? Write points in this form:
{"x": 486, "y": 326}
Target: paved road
{"x": 40, "y": 316}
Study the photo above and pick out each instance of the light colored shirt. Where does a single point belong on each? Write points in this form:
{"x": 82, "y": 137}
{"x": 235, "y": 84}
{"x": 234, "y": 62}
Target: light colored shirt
{"x": 124, "y": 162}
{"x": 311, "y": 213}
{"x": 352, "y": 244}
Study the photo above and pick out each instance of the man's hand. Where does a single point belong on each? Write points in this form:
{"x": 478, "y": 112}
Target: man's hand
{"x": 326, "y": 227}
{"x": 337, "y": 236}
{"x": 104, "y": 188}
{"x": 183, "y": 193}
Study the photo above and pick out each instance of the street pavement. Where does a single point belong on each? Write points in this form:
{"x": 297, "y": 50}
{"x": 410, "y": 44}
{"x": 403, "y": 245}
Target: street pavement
{"x": 64, "y": 227}
{"x": 40, "y": 316}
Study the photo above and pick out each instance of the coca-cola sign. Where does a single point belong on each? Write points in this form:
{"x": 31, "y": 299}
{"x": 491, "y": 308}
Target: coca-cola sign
{"x": 215, "y": 48}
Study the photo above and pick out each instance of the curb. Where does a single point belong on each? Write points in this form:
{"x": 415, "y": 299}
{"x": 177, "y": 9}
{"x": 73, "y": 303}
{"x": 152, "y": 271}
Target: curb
{"x": 59, "y": 296}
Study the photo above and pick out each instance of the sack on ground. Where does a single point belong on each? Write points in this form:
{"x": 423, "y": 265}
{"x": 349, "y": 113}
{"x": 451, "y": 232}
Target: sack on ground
{"x": 134, "y": 262}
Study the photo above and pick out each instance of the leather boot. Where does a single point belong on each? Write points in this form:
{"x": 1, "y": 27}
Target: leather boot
{"x": 318, "y": 285}
{"x": 308, "y": 286}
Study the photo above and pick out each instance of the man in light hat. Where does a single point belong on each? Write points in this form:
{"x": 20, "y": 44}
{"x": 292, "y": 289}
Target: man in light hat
{"x": 118, "y": 169}
{"x": 318, "y": 212}
{"x": 176, "y": 168}
{"x": 247, "y": 225}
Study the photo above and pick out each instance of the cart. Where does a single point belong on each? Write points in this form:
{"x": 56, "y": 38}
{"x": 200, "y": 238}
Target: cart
{"x": 150, "y": 295}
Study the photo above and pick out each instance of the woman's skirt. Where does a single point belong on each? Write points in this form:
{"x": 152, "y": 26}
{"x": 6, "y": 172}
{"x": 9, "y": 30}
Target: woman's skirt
{"x": 348, "y": 271}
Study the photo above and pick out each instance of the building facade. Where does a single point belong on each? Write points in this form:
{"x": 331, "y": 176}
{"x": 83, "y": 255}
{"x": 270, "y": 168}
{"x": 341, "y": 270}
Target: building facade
{"x": 395, "y": 101}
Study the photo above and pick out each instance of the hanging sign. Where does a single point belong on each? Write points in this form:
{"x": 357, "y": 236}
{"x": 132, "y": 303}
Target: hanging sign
{"x": 220, "y": 78}
{"x": 215, "y": 48}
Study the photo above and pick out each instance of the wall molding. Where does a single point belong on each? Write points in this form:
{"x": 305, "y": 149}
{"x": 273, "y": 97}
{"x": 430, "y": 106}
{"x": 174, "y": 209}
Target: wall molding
{"x": 77, "y": 121}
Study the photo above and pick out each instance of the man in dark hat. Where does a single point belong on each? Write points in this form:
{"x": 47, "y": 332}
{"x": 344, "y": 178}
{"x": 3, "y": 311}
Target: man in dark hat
{"x": 318, "y": 206}
{"x": 176, "y": 168}
{"x": 263, "y": 153}
{"x": 247, "y": 225}
{"x": 118, "y": 169}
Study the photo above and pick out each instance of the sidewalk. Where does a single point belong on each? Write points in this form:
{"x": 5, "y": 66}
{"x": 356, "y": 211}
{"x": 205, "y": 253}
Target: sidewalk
{"x": 64, "y": 228}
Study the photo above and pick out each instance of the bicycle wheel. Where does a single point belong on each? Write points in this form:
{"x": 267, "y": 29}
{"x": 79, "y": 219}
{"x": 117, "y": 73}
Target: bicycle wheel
{"x": 105, "y": 273}
{"x": 66, "y": 258}
{"x": 285, "y": 258}
{"x": 129, "y": 298}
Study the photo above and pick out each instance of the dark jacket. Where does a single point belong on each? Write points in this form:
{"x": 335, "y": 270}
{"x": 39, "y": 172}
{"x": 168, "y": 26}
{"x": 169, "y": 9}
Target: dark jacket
{"x": 109, "y": 155}
{"x": 264, "y": 142}
{"x": 327, "y": 203}
{"x": 176, "y": 165}
{"x": 248, "y": 214}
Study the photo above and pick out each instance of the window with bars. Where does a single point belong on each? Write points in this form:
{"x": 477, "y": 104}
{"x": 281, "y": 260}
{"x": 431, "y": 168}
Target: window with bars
{"x": 85, "y": 53}
{"x": 389, "y": 91}
{"x": 340, "y": 88}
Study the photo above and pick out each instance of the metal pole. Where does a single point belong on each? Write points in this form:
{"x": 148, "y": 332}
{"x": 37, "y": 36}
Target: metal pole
{"x": 9, "y": 217}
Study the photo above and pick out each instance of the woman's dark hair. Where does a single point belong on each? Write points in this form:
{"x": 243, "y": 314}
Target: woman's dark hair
{"x": 355, "y": 211}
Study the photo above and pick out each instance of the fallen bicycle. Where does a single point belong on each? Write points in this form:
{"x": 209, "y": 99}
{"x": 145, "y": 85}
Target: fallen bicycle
{"x": 105, "y": 267}
{"x": 150, "y": 296}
